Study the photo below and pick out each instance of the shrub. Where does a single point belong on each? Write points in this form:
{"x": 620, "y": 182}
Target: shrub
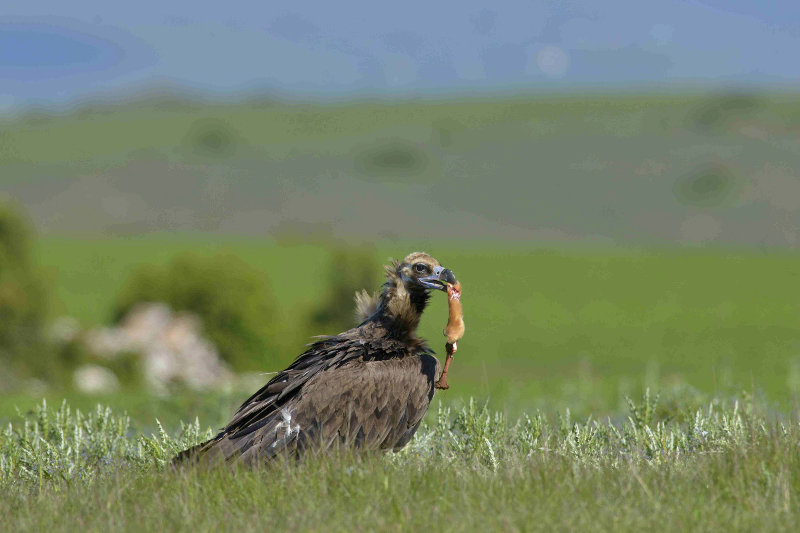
{"x": 714, "y": 112}
{"x": 212, "y": 137}
{"x": 230, "y": 296}
{"x": 23, "y": 298}
{"x": 706, "y": 186}
{"x": 391, "y": 160}
{"x": 351, "y": 269}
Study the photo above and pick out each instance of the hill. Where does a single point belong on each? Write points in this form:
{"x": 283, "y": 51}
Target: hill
{"x": 621, "y": 169}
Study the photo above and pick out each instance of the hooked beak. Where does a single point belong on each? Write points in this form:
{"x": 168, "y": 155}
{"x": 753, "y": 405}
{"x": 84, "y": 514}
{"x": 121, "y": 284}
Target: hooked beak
{"x": 439, "y": 279}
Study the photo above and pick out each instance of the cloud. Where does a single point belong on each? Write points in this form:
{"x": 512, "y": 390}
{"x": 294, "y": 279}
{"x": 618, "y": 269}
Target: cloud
{"x": 550, "y": 60}
{"x": 34, "y": 49}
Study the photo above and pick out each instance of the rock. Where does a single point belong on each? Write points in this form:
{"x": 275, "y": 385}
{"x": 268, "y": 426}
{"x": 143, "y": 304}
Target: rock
{"x": 94, "y": 379}
{"x": 64, "y": 329}
{"x": 171, "y": 346}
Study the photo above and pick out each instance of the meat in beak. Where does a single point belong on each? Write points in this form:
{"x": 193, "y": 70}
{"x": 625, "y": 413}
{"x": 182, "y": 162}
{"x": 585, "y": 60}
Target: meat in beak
{"x": 439, "y": 279}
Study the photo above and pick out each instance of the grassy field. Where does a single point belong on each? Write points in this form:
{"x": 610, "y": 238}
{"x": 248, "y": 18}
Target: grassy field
{"x": 549, "y": 328}
{"x": 566, "y": 220}
{"x": 632, "y": 169}
{"x": 728, "y": 466}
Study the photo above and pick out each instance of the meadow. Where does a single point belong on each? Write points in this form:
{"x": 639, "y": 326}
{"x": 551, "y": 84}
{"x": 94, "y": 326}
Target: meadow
{"x": 606, "y": 169}
{"x": 729, "y": 465}
{"x": 547, "y": 327}
{"x": 607, "y": 246}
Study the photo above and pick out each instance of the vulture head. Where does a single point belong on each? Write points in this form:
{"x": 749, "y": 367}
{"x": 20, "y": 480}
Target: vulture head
{"x": 421, "y": 272}
{"x": 406, "y": 292}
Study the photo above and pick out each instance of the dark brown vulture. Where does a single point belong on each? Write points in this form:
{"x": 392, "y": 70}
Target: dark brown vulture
{"x": 367, "y": 387}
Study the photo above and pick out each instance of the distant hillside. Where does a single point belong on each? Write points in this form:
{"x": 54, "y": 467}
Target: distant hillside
{"x": 656, "y": 169}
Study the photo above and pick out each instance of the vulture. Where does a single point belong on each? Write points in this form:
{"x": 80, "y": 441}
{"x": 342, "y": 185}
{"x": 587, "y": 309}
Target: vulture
{"x": 366, "y": 388}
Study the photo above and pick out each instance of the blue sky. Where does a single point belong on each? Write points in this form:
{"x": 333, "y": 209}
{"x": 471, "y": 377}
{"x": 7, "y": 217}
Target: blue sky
{"x": 55, "y": 52}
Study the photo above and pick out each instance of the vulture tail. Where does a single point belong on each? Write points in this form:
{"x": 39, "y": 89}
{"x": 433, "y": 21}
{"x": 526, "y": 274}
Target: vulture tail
{"x": 190, "y": 455}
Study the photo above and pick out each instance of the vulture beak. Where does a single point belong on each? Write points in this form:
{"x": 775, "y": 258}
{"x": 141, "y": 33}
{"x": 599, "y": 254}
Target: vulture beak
{"x": 439, "y": 279}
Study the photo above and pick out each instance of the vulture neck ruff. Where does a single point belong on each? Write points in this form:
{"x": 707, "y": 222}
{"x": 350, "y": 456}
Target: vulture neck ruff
{"x": 400, "y": 307}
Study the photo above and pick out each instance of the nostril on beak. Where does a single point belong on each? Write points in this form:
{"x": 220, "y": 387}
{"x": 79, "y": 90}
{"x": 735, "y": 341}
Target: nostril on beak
{"x": 447, "y": 276}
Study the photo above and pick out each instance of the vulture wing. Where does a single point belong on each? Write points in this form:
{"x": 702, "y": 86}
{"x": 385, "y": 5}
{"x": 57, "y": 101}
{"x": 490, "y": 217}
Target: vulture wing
{"x": 350, "y": 390}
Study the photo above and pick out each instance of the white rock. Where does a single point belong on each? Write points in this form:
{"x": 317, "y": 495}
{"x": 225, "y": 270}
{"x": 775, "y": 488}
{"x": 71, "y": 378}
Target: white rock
{"x": 172, "y": 347}
{"x": 94, "y": 379}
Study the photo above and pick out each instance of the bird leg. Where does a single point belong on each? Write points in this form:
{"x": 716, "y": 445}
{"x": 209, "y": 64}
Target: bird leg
{"x": 453, "y": 331}
{"x": 442, "y": 383}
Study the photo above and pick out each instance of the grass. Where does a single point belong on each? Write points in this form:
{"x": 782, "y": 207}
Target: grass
{"x": 141, "y": 406}
{"x": 729, "y": 464}
{"x": 547, "y": 328}
{"x": 557, "y": 336}
{"x": 556, "y": 340}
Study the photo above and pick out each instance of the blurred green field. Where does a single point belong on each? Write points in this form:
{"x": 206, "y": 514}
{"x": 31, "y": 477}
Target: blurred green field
{"x": 551, "y": 328}
{"x": 566, "y": 220}
{"x": 644, "y": 169}
{"x": 563, "y": 217}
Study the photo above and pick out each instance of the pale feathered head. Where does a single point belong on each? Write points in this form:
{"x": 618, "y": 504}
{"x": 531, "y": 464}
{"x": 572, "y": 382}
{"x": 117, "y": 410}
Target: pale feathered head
{"x": 408, "y": 283}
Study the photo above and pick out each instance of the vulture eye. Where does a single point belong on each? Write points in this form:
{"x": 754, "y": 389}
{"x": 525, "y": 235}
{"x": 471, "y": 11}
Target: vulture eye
{"x": 421, "y": 268}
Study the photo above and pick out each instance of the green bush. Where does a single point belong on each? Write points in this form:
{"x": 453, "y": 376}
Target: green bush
{"x": 230, "y": 296}
{"x": 23, "y": 299}
{"x": 351, "y": 269}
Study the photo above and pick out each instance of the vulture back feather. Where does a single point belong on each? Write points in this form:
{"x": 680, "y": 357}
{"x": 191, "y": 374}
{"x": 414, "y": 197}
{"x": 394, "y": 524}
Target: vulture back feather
{"x": 368, "y": 387}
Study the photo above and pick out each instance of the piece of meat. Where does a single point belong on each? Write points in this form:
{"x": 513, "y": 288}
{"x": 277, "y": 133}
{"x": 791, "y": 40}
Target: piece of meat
{"x": 453, "y": 331}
